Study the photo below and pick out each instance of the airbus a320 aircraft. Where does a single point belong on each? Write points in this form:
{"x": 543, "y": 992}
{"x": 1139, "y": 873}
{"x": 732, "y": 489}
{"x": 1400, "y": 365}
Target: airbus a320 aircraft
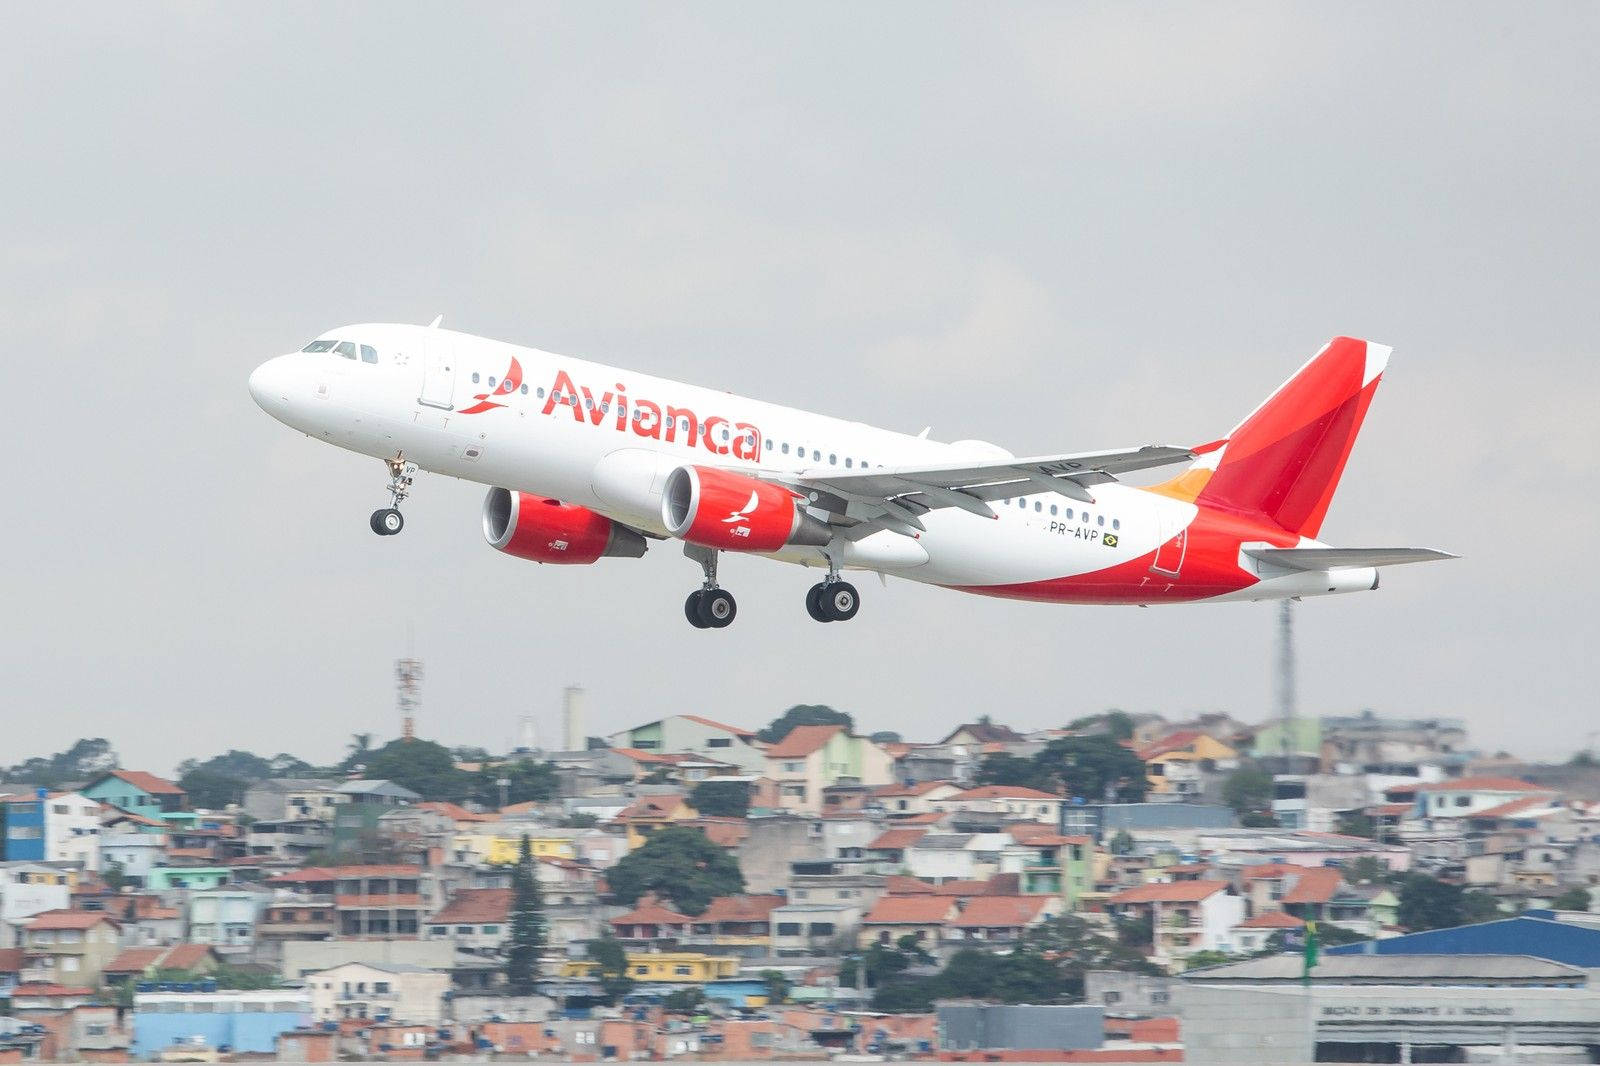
{"x": 587, "y": 461}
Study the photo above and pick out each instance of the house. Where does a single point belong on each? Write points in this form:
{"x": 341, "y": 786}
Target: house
{"x": 957, "y": 856}
{"x": 692, "y": 733}
{"x": 361, "y": 806}
{"x": 137, "y": 792}
{"x": 649, "y": 920}
{"x": 1185, "y": 916}
{"x": 667, "y": 967}
{"x": 1469, "y": 797}
{"x": 803, "y": 929}
{"x": 68, "y": 947}
{"x": 813, "y": 757}
{"x": 475, "y": 919}
{"x": 739, "y": 925}
{"x": 646, "y": 814}
{"x": 1010, "y": 802}
{"x": 383, "y": 902}
{"x": 291, "y": 838}
{"x": 1174, "y": 764}
{"x": 145, "y": 920}
{"x": 391, "y": 992}
{"x": 891, "y": 844}
{"x": 922, "y": 918}
{"x": 225, "y": 918}
{"x": 500, "y": 843}
{"x": 26, "y": 889}
{"x": 137, "y": 964}
{"x": 291, "y": 799}
{"x": 247, "y": 1022}
{"x": 1256, "y": 934}
{"x": 977, "y": 734}
{"x": 42, "y": 827}
{"x": 1051, "y": 864}
{"x": 991, "y": 922}
{"x": 915, "y": 798}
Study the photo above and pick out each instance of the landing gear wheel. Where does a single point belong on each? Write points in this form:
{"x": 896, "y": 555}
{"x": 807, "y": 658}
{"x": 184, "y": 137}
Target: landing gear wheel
{"x": 840, "y": 601}
{"x": 691, "y": 609}
{"x": 717, "y": 608}
{"x": 387, "y": 522}
{"x": 814, "y": 602}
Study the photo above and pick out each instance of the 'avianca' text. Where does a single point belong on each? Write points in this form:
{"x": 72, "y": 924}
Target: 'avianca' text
{"x": 650, "y": 419}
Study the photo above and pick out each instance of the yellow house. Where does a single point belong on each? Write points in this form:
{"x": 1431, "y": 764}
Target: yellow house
{"x": 648, "y": 813}
{"x": 1173, "y": 764}
{"x": 499, "y": 846}
{"x": 672, "y": 967}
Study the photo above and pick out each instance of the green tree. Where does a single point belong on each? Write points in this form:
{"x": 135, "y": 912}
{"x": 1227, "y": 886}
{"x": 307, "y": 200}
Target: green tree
{"x": 529, "y": 781}
{"x": 357, "y": 752}
{"x": 1427, "y": 903}
{"x": 1248, "y": 789}
{"x": 1258, "y": 820}
{"x": 115, "y": 875}
{"x": 608, "y": 954}
{"x": 426, "y": 768}
{"x": 1330, "y": 935}
{"x": 580, "y": 820}
{"x": 1479, "y": 907}
{"x": 527, "y": 924}
{"x": 1197, "y": 960}
{"x": 804, "y": 714}
{"x": 85, "y": 759}
{"x": 1368, "y": 868}
{"x": 777, "y": 986}
{"x": 1122, "y": 843}
{"x": 1576, "y": 898}
{"x": 1136, "y": 932}
{"x": 1357, "y": 825}
{"x": 683, "y": 1000}
{"x": 1118, "y": 725}
{"x": 721, "y": 799}
{"x": 1097, "y": 768}
{"x": 1003, "y": 768}
{"x": 678, "y": 864}
{"x": 913, "y": 996}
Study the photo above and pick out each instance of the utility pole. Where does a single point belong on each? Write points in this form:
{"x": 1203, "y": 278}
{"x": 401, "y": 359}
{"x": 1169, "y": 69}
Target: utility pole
{"x": 1286, "y": 680}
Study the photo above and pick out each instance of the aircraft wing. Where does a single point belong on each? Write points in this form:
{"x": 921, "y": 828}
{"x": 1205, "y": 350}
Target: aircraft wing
{"x": 1333, "y": 558}
{"x": 901, "y": 493}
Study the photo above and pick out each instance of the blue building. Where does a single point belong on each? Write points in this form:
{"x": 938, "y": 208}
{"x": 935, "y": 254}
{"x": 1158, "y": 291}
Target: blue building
{"x": 24, "y": 828}
{"x": 247, "y": 1022}
{"x": 1536, "y": 933}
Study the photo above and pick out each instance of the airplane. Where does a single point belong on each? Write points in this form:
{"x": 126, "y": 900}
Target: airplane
{"x": 587, "y": 461}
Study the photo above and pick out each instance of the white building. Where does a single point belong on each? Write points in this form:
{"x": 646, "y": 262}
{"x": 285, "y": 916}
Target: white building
{"x": 392, "y": 992}
{"x": 226, "y": 918}
{"x": 1476, "y": 797}
{"x": 26, "y": 890}
{"x": 136, "y": 853}
{"x": 1012, "y": 802}
{"x": 72, "y": 830}
{"x": 692, "y": 733}
{"x": 1185, "y": 916}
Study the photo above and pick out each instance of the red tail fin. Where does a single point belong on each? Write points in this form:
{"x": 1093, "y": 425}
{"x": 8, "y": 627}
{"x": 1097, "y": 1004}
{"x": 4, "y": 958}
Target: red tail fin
{"x": 1285, "y": 459}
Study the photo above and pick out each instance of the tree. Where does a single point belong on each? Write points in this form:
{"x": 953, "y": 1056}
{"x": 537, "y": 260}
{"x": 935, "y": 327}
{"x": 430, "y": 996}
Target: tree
{"x": 212, "y": 789}
{"x": 677, "y": 864}
{"x": 615, "y": 984}
{"x": 683, "y": 1000}
{"x": 1248, "y": 789}
{"x": 1122, "y": 843}
{"x": 1258, "y": 820}
{"x": 1576, "y": 898}
{"x": 528, "y": 781}
{"x": 1136, "y": 932}
{"x": 470, "y": 753}
{"x": 1197, "y": 960}
{"x": 777, "y": 987}
{"x": 426, "y": 768}
{"x": 1357, "y": 825}
{"x": 527, "y": 924}
{"x": 1368, "y": 868}
{"x": 721, "y": 799}
{"x": 115, "y": 875}
{"x": 357, "y": 751}
{"x": 1094, "y": 767}
{"x": 1077, "y": 949}
{"x": 580, "y": 820}
{"x": 1479, "y": 907}
{"x": 1118, "y": 725}
{"x": 85, "y": 759}
{"x": 886, "y": 736}
{"x": 1426, "y": 903}
{"x": 804, "y": 714}
{"x": 1003, "y": 768}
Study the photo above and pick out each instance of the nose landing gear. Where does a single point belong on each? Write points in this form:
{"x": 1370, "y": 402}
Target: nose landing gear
{"x": 387, "y": 521}
{"x": 711, "y": 606}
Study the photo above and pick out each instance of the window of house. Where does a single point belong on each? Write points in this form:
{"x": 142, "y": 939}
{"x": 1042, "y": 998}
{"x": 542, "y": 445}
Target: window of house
{"x": 788, "y": 928}
{"x": 720, "y": 742}
{"x": 641, "y": 970}
{"x": 490, "y": 930}
{"x": 439, "y": 930}
{"x": 1112, "y": 997}
{"x": 681, "y": 971}
{"x": 464, "y": 929}
{"x": 1463, "y": 801}
{"x": 380, "y": 988}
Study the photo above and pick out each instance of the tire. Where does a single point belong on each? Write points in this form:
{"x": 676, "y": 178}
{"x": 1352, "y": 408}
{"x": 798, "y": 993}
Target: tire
{"x": 717, "y": 608}
{"x": 814, "y": 603}
{"x": 387, "y": 521}
{"x": 691, "y": 609}
{"x": 840, "y": 601}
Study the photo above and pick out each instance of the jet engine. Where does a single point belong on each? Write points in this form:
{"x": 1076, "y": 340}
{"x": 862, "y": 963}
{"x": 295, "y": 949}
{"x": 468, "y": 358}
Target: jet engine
{"x": 549, "y": 531}
{"x": 732, "y": 512}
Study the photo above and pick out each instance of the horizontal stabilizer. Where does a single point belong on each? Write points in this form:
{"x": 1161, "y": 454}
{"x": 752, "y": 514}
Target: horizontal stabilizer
{"x": 1334, "y": 558}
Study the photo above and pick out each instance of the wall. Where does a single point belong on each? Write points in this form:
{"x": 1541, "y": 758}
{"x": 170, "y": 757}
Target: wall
{"x": 1246, "y": 1025}
{"x": 979, "y": 1025}
{"x": 160, "y": 1019}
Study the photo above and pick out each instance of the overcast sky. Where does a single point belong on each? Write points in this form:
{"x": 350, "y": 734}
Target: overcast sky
{"x": 1057, "y": 228}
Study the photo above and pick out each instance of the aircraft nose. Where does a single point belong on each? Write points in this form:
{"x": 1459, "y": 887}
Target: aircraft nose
{"x": 269, "y": 385}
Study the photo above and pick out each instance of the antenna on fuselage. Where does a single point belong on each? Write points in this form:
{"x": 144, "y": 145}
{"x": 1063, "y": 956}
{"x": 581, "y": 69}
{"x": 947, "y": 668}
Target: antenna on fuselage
{"x": 436, "y": 320}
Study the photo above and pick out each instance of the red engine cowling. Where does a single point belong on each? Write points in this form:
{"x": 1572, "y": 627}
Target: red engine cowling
{"x": 731, "y": 512}
{"x": 549, "y": 531}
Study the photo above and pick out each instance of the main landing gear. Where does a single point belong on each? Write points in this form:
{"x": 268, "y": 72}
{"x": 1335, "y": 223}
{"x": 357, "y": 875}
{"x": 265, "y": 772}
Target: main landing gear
{"x": 387, "y": 521}
{"x": 832, "y": 599}
{"x": 710, "y": 606}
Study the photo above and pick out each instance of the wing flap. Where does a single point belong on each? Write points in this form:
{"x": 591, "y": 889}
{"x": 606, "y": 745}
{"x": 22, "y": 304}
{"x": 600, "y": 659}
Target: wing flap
{"x": 1335, "y": 558}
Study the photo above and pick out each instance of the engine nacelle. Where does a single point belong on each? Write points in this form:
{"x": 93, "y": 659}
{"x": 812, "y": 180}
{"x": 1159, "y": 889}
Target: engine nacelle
{"x": 549, "y": 531}
{"x": 731, "y": 512}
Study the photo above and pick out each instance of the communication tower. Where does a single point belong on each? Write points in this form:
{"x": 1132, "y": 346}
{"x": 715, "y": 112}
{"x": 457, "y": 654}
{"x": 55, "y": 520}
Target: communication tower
{"x": 408, "y": 694}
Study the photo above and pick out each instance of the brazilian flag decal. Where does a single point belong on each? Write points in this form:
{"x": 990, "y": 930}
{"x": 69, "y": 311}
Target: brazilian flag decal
{"x": 1109, "y": 540}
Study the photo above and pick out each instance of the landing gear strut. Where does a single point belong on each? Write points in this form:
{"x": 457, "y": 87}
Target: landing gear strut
{"x": 387, "y": 521}
{"x": 832, "y": 599}
{"x": 710, "y": 606}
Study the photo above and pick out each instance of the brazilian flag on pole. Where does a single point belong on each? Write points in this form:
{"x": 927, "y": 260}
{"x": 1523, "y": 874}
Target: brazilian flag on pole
{"x": 1310, "y": 952}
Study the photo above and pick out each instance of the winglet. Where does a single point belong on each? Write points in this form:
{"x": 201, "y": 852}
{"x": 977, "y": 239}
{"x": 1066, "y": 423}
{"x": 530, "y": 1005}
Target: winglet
{"x": 436, "y": 320}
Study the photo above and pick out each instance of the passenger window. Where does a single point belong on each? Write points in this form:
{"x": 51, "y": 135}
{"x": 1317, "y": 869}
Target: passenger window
{"x": 1116, "y": 523}
{"x": 816, "y": 456}
{"x": 369, "y": 354}
{"x": 785, "y": 448}
{"x": 1069, "y": 512}
{"x": 1038, "y": 506}
{"x": 724, "y": 434}
{"x": 1052, "y": 508}
{"x": 540, "y": 393}
{"x": 346, "y": 349}
{"x": 474, "y": 377}
{"x": 833, "y": 460}
{"x": 491, "y": 381}
{"x": 1099, "y": 519}
{"x": 524, "y": 389}
{"x": 847, "y": 462}
{"x": 319, "y": 346}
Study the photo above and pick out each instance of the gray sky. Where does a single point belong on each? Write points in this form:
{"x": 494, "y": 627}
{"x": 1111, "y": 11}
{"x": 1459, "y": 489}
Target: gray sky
{"x": 1058, "y": 228}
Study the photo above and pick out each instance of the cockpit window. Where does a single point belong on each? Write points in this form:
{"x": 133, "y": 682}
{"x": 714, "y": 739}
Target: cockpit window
{"x": 369, "y": 354}
{"x": 346, "y": 349}
{"x": 319, "y": 346}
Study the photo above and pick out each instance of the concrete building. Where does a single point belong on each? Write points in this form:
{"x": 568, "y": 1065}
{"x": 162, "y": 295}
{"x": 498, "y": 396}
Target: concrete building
{"x": 27, "y": 889}
{"x": 288, "y": 799}
{"x": 1012, "y": 803}
{"x": 225, "y": 918}
{"x": 303, "y": 957}
{"x": 969, "y": 1026}
{"x": 137, "y": 792}
{"x": 1368, "y": 1008}
{"x": 693, "y": 733}
{"x": 68, "y": 947}
{"x": 1185, "y": 916}
{"x": 247, "y": 1022}
{"x": 774, "y": 844}
{"x": 393, "y": 992}
{"x": 1121, "y": 992}
{"x": 813, "y": 757}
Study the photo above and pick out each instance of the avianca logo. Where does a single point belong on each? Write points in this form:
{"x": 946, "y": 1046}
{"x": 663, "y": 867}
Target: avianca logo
{"x": 508, "y": 384}
{"x": 743, "y": 515}
{"x": 646, "y": 418}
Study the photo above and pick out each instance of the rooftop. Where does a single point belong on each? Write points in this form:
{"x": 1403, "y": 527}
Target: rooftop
{"x": 1174, "y": 892}
{"x": 476, "y": 905}
{"x": 802, "y": 741}
{"x": 1395, "y": 968}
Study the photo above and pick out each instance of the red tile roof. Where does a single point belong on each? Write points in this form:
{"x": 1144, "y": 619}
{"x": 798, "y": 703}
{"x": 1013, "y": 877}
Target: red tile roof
{"x": 726, "y": 832}
{"x": 741, "y": 908}
{"x": 992, "y": 912}
{"x": 649, "y": 912}
{"x": 925, "y": 818}
{"x": 43, "y": 989}
{"x": 1516, "y": 806}
{"x": 476, "y": 905}
{"x": 453, "y": 811}
{"x": 802, "y": 741}
{"x": 1315, "y": 884}
{"x": 1482, "y": 784}
{"x": 735, "y": 730}
{"x": 155, "y": 786}
{"x": 60, "y": 919}
{"x": 174, "y": 957}
{"x": 901, "y": 885}
{"x": 1175, "y": 892}
{"x": 910, "y": 910}
{"x": 921, "y": 788}
{"x": 1005, "y": 792}
{"x": 1172, "y": 742}
{"x": 1035, "y": 835}
{"x": 1273, "y": 920}
{"x": 962, "y": 887}
{"x": 897, "y": 839}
